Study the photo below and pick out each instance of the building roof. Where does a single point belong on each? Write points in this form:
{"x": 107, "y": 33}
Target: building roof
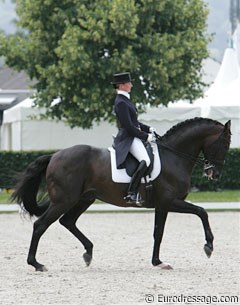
{"x": 14, "y": 88}
{"x": 10, "y": 79}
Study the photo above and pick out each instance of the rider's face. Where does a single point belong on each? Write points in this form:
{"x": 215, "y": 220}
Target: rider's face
{"x": 126, "y": 87}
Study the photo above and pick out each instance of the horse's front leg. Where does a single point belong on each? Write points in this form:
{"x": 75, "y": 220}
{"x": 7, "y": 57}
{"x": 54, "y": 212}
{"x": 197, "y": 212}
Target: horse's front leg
{"x": 181, "y": 206}
{"x": 160, "y": 219}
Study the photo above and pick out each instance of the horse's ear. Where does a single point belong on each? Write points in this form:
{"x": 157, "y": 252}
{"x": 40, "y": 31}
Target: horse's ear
{"x": 227, "y": 126}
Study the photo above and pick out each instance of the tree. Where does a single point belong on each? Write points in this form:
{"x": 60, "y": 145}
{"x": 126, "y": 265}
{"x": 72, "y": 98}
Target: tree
{"x": 73, "y": 47}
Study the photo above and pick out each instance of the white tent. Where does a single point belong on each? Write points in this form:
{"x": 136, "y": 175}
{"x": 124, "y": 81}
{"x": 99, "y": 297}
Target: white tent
{"x": 163, "y": 118}
{"x": 222, "y": 100}
{"x": 20, "y": 131}
{"x": 236, "y": 41}
{"x": 225, "y": 89}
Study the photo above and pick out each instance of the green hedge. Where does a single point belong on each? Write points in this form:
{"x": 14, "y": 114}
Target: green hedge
{"x": 12, "y": 163}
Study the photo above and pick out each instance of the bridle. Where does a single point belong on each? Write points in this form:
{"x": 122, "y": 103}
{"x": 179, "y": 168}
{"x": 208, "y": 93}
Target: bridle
{"x": 217, "y": 145}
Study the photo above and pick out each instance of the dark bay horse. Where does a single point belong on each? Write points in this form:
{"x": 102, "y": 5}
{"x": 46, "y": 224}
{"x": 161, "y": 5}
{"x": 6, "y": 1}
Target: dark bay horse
{"x": 78, "y": 175}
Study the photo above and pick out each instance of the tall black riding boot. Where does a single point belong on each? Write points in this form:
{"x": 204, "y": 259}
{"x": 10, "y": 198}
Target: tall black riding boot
{"x": 133, "y": 196}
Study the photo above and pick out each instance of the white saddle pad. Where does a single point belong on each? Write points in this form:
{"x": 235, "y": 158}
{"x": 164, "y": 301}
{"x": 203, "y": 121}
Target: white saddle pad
{"x": 121, "y": 176}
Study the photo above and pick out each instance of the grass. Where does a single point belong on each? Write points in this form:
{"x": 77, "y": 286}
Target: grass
{"x": 220, "y": 196}
{"x": 5, "y": 197}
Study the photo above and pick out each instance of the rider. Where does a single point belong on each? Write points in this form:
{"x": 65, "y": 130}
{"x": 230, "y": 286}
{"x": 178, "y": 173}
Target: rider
{"x": 131, "y": 135}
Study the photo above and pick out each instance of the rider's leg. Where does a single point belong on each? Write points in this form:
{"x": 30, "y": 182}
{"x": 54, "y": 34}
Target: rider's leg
{"x": 139, "y": 152}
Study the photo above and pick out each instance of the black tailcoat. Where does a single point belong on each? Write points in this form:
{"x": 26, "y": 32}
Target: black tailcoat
{"x": 129, "y": 128}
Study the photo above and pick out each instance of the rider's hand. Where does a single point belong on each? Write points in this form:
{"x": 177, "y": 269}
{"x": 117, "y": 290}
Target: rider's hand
{"x": 150, "y": 137}
{"x": 152, "y": 129}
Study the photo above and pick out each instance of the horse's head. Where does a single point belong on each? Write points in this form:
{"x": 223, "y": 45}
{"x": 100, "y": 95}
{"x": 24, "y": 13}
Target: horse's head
{"x": 215, "y": 149}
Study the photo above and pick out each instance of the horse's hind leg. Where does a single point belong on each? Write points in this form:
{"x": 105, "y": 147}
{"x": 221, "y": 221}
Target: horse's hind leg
{"x": 69, "y": 219}
{"x": 182, "y": 206}
{"x": 39, "y": 227}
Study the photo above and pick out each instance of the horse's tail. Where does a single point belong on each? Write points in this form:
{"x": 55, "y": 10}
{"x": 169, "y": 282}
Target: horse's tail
{"x": 26, "y": 189}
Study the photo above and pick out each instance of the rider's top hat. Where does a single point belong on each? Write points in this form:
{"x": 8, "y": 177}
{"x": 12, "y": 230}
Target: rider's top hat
{"x": 121, "y": 78}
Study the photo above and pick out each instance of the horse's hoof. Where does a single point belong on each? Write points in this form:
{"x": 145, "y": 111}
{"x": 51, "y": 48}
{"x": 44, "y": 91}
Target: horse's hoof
{"x": 208, "y": 250}
{"x": 87, "y": 258}
{"x": 41, "y": 268}
{"x": 165, "y": 266}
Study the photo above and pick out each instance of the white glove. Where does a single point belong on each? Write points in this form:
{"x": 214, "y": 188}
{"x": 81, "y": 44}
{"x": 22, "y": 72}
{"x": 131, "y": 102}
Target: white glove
{"x": 152, "y": 129}
{"x": 150, "y": 137}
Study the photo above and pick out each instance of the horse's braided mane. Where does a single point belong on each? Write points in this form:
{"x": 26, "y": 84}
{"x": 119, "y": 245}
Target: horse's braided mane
{"x": 186, "y": 124}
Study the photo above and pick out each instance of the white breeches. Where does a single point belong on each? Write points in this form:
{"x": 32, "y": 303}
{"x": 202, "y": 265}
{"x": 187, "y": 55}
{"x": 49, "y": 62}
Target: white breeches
{"x": 138, "y": 150}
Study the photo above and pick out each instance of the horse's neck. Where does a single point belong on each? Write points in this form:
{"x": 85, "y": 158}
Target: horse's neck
{"x": 189, "y": 141}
